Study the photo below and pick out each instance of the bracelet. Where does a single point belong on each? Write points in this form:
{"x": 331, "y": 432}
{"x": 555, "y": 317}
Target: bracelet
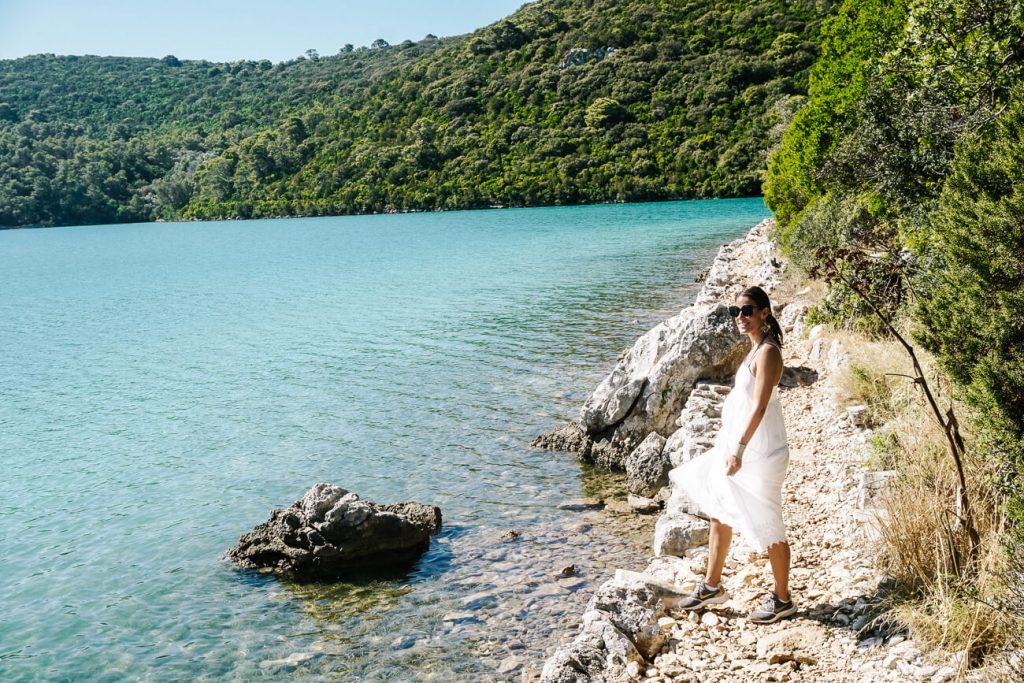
{"x": 739, "y": 451}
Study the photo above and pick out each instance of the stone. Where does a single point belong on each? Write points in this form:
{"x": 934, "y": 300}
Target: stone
{"x": 571, "y": 437}
{"x": 647, "y": 389}
{"x": 796, "y": 643}
{"x": 619, "y": 507}
{"x": 816, "y": 350}
{"x": 647, "y": 466}
{"x": 634, "y": 609}
{"x": 871, "y": 486}
{"x": 675, "y": 534}
{"x": 793, "y": 318}
{"x": 510, "y": 664}
{"x": 698, "y": 423}
{"x": 670, "y": 570}
{"x": 668, "y": 593}
{"x": 709, "y": 619}
{"x": 581, "y": 504}
{"x": 838, "y": 358}
{"x": 643, "y": 506}
{"x": 331, "y": 531}
{"x": 578, "y": 662}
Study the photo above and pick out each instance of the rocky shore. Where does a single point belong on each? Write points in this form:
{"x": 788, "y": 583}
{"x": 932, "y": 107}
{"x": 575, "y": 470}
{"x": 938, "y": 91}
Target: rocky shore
{"x": 660, "y": 407}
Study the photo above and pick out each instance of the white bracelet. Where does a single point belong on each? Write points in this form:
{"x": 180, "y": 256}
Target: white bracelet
{"x": 739, "y": 451}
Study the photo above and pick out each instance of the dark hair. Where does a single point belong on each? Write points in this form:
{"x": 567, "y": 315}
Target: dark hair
{"x": 760, "y": 299}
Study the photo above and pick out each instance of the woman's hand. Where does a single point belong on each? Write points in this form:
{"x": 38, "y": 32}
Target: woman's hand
{"x": 733, "y": 465}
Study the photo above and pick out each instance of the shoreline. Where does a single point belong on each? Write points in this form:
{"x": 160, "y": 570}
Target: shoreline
{"x": 380, "y": 213}
{"x": 631, "y": 630}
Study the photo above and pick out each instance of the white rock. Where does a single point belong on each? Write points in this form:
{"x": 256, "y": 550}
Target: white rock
{"x": 675, "y": 534}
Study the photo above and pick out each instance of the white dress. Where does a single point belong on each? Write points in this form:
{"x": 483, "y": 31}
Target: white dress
{"x": 749, "y": 501}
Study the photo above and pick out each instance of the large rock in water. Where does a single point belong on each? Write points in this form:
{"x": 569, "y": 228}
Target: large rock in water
{"x": 331, "y": 531}
{"x": 651, "y": 382}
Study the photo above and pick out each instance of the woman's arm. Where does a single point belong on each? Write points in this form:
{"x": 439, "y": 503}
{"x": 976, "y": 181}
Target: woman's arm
{"x": 769, "y": 371}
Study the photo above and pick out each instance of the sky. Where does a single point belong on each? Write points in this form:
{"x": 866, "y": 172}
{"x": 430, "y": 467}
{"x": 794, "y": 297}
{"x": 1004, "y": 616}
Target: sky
{"x": 228, "y": 30}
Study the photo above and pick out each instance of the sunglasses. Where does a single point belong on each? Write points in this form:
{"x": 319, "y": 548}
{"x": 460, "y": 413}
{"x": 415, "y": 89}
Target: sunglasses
{"x": 746, "y": 310}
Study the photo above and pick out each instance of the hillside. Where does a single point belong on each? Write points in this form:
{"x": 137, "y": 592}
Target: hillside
{"x": 688, "y": 103}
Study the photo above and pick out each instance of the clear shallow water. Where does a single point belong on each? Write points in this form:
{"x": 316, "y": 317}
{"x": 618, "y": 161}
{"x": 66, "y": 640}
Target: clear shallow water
{"x": 162, "y": 386}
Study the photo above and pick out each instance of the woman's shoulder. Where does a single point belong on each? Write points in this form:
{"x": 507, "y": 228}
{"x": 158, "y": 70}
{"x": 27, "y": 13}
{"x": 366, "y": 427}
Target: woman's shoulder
{"x": 770, "y": 353}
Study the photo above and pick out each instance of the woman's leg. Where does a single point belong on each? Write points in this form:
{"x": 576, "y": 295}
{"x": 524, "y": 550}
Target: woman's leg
{"x": 778, "y": 555}
{"x": 718, "y": 546}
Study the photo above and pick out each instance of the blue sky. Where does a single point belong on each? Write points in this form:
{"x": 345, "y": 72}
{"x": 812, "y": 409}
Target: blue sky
{"x": 226, "y": 30}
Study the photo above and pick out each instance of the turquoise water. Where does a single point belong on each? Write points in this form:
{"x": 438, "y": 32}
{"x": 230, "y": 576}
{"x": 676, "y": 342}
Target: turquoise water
{"x": 163, "y": 386}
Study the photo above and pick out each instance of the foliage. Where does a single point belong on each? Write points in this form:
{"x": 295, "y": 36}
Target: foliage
{"x": 852, "y": 43}
{"x": 970, "y": 309}
{"x": 918, "y": 193}
{"x": 687, "y": 105}
{"x": 108, "y": 139}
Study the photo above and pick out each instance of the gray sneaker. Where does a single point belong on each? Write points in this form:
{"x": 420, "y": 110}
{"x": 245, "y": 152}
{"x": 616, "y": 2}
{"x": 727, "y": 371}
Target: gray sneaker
{"x": 702, "y": 596}
{"x": 771, "y": 610}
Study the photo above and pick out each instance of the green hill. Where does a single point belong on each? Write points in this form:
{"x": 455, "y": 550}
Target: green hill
{"x": 565, "y": 101}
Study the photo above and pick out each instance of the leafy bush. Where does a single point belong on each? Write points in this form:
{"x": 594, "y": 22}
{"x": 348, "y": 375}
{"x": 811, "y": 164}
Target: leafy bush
{"x": 970, "y": 308}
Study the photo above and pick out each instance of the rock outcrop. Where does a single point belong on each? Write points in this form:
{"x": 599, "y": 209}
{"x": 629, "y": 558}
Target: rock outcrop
{"x": 620, "y": 631}
{"x": 647, "y": 466}
{"x": 651, "y": 382}
{"x": 331, "y": 531}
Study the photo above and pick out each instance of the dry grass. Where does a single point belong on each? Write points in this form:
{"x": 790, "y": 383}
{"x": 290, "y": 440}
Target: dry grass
{"x": 871, "y": 378}
{"x": 945, "y": 600}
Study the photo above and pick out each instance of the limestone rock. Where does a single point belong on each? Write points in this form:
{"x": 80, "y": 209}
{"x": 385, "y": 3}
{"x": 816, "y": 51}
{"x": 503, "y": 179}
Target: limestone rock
{"x": 675, "y": 534}
{"x": 571, "y": 437}
{"x": 647, "y": 466}
{"x": 838, "y": 358}
{"x": 577, "y": 662}
{"x": 793, "y": 318}
{"x": 698, "y": 422}
{"x": 791, "y": 644}
{"x": 667, "y": 592}
{"x": 643, "y": 506}
{"x": 331, "y": 531}
{"x": 651, "y": 382}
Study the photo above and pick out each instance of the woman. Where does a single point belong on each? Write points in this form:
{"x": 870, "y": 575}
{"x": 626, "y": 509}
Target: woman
{"x": 738, "y": 482}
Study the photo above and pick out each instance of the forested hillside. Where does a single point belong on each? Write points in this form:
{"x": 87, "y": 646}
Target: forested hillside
{"x": 565, "y": 101}
{"x": 108, "y": 139}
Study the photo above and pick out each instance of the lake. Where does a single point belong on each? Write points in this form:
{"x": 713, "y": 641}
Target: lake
{"x": 164, "y": 386}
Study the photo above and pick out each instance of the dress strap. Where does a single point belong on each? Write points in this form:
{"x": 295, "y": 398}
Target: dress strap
{"x": 753, "y": 354}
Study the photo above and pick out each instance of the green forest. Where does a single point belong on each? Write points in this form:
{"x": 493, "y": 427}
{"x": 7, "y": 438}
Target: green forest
{"x": 901, "y": 183}
{"x": 909, "y": 150}
{"x": 563, "y": 102}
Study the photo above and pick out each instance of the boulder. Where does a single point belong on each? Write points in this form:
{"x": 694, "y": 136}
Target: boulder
{"x": 331, "y": 531}
{"x": 698, "y": 422}
{"x": 642, "y": 505}
{"x": 647, "y": 466}
{"x": 674, "y": 534}
{"x": 619, "y": 631}
{"x": 581, "y": 661}
{"x": 651, "y": 382}
{"x": 633, "y": 608}
{"x": 793, "y": 318}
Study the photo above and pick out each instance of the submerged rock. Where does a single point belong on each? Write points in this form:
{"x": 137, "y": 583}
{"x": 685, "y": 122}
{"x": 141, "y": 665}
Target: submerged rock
{"x": 331, "y": 531}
